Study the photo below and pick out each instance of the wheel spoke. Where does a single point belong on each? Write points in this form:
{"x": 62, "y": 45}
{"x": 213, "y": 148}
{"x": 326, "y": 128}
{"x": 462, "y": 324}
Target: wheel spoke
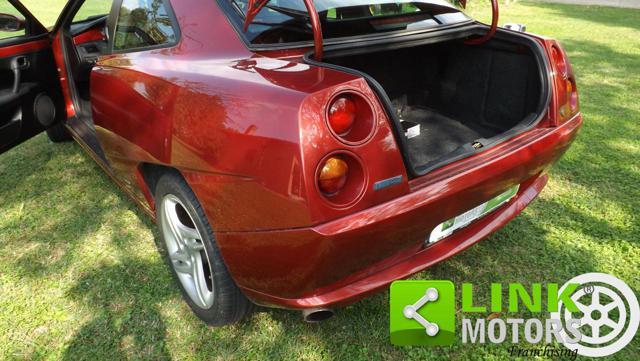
{"x": 609, "y": 322}
{"x": 595, "y": 330}
{"x": 582, "y": 307}
{"x": 187, "y": 252}
{"x": 194, "y": 245}
{"x": 181, "y": 262}
{"x": 609, "y": 306}
{"x": 200, "y": 280}
{"x": 595, "y": 297}
{"x": 186, "y": 232}
{"x": 172, "y": 219}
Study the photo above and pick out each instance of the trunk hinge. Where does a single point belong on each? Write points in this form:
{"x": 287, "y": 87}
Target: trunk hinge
{"x": 255, "y": 6}
{"x": 495, "y": 13}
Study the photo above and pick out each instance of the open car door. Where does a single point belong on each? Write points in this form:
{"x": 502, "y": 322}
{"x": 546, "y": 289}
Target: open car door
{"x": 30, "y": 95}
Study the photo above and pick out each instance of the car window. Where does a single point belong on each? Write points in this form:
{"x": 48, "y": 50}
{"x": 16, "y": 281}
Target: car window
{"x": 92, "y": 9}
{"x": 47, "y": 12}
{"x": 6, "y": 8}
{"x": 143, "y": 24}
{"x": 285, "y": 21}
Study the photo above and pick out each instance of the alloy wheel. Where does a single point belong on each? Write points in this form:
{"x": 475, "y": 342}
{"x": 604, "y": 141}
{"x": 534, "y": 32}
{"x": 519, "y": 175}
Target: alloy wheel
{"x": 187, "y": 253}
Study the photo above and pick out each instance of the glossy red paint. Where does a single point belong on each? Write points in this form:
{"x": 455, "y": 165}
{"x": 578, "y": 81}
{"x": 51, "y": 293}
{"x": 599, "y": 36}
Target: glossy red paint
{"x": 89, "y": 36}
{"x": 24, "y": 48}
{"x": 153, "y": 107}
{"x": 59, "y": 57}
{"x": 248, "y": 132}
{"x": 406, "y": 262}
{"x": 562, "y": 72}
{"x": 495, "y": 15}
{"x": 331, "y": 256}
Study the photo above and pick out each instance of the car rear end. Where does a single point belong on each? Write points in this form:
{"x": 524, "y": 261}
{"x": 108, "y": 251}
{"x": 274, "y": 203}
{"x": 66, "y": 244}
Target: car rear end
{"x": 375, "y": 216}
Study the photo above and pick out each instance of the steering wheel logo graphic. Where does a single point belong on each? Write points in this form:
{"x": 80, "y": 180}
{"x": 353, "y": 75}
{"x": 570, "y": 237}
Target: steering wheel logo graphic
{"x": 608, "y": 323}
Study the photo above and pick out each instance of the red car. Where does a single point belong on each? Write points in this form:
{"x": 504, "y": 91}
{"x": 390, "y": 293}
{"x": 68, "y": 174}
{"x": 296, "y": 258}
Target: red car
{"x": 296, "y": 153}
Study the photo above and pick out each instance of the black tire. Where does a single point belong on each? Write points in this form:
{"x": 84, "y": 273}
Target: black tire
{"x": 229, "y": 304}
{"x": 59, "y": 134}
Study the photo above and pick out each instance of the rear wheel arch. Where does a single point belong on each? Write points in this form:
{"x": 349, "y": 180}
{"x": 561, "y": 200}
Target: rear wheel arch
{"x": 151, "y": 173}
{"x": 230, "y": 304}
{"x": 148, "y": 175}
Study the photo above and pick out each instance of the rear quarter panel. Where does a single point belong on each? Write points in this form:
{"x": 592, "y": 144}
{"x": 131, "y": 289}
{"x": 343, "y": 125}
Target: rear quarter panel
{"x": 230, "y": 121}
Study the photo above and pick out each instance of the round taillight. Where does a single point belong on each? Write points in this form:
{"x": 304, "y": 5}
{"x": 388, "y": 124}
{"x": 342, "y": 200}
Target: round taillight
{"x": 341, "y": 179}
{"x": 342, "y": 115}
{"x": 333, "y": 175}
{"x": 351, "y": 118}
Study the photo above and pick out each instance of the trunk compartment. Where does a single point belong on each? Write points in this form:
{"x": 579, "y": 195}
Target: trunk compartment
{"x": 449, "y": 100}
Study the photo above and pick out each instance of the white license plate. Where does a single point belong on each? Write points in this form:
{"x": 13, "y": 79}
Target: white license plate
{"x": 446, "y": 228}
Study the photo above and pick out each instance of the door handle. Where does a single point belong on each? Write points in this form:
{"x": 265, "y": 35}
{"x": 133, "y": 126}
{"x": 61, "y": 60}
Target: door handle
{"x": 18, "y": 64}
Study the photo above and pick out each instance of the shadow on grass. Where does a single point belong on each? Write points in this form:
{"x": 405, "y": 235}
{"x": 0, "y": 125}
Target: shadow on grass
{"x": 61, "y": 214}
{"x": 126, "y": 322}
{"x": 60, "y": 197}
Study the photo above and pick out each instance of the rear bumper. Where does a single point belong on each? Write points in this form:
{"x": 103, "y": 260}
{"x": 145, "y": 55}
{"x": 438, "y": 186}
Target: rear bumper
{"x": 339, "y": 262}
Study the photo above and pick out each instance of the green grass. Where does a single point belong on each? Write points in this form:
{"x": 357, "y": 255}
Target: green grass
{"x": 80, "y": 276}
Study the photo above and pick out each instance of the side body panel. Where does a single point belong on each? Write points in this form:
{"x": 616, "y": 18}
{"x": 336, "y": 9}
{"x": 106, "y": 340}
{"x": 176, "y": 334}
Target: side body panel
{"x": 246, "y": 131}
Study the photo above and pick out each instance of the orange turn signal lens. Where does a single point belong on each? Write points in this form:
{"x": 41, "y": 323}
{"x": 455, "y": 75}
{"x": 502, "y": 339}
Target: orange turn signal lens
{"x": 342, "y": 115}
{"x": 333, "y": 175}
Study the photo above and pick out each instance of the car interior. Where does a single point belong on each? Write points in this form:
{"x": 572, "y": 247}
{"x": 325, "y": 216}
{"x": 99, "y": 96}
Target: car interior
{"x": 31, "y": 99}
{"x": 30, "y": 96}
{"x": 84, "y": 43}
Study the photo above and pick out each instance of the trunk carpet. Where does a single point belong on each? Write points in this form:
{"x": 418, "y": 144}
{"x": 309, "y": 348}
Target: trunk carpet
{"x": 439, "y": 135}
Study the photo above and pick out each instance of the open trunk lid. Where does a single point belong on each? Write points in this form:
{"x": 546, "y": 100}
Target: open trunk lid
{"x": 255, "y": 6}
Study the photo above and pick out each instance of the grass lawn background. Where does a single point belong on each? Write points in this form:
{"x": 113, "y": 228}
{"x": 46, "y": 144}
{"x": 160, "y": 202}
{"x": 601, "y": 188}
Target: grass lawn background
{"x": 80, "y": 276}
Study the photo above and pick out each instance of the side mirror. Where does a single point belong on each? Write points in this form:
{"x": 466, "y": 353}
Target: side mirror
{"x": 11, "y": 23}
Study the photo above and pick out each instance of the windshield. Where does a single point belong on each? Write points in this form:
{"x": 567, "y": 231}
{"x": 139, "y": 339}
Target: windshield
{"x": 286, "y": 21}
